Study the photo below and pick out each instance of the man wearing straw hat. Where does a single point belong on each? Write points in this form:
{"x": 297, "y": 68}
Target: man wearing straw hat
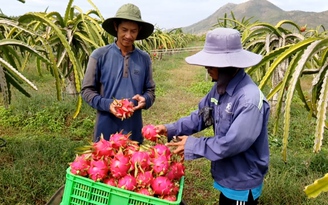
{"x": 238, "y": 112}
{"x": 120, "y": 70}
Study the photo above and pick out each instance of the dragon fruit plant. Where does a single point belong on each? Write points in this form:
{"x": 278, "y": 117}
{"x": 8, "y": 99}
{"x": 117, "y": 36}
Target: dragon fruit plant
{"x": 120, "y": 162}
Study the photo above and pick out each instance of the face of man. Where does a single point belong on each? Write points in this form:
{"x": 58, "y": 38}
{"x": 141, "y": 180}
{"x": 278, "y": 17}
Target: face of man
{"x": 213, "y": 72}
{"x": 222, "y": 73}
{"x": 127, "y": 32}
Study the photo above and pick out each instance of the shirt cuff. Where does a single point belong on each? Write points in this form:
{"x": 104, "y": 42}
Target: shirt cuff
{"x": 170, "y": 131}
{"x": 189, "y": 147}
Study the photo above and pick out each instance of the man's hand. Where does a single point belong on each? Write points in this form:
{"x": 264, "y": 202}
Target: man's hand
{"x": 112, "y": 109}
{"x": 179, "y": 144}
{"x": 140, "y": 100}
{"x": 161, "y": 130}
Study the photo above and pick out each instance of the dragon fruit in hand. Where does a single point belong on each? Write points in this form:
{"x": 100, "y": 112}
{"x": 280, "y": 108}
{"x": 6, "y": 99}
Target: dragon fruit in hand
{"x": 124, "y": 107}
{"x": 149, "y": 132}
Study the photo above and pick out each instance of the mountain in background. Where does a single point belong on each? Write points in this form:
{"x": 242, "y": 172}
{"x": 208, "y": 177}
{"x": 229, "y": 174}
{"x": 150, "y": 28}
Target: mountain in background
{"x": 261, "y": 11}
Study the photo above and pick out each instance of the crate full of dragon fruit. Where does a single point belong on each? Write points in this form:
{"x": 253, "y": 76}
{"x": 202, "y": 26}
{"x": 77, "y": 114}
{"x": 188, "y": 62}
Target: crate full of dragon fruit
{"x": 120, "y": 171}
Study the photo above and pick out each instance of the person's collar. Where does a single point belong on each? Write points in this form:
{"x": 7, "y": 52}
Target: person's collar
{"x": 225, "y": 75}
{"x": 116, "y": 46}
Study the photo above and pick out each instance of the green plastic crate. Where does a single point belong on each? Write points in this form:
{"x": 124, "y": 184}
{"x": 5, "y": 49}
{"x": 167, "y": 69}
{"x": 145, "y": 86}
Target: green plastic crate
{"x": 84, "y": 191}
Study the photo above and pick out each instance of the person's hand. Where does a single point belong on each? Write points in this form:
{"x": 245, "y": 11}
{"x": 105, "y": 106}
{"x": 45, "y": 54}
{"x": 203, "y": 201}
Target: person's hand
{"x": 112, "y": 109}
{"x": 113, "y": 106}
{"x": 161, "y": 130}
{"x": 180, "y": 144}
{"x": 140, "y": 100}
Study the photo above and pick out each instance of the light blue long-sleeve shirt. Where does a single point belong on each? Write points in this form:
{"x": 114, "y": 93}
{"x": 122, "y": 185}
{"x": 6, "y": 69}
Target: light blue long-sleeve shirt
{"x": 239, "y": 150}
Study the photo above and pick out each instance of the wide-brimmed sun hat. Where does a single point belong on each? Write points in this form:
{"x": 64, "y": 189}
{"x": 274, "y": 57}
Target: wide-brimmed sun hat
{"x": 129, "y": 12}
{"x": 223, "y": 48}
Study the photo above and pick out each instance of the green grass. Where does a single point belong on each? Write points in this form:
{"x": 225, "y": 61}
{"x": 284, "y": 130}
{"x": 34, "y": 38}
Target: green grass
{"x": 42, "y": 136}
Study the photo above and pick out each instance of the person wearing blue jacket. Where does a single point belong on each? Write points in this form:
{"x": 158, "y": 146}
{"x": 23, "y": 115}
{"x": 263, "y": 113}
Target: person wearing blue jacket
{"x": 120, "y": 71}
{"x": 238, "y": 112}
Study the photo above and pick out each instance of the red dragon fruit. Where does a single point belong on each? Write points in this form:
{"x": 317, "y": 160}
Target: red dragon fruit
{"x": 131, "y": 148}
{"x": 98, "y": 170}
{"x": 175, "y": 188}
{"x": 149, "y": 133}
{"x": 159, "y": 150}
{"x": 145, "y": 191}
{"x": 144, "y": 179}
{"x": 110, "y": 181}
{"x": 80, "y": 165}
{"x": 119, "y": 165}
{"x": 160, "y": 165}
{"x": 124, "y": 107}
{"x": 161, "y": 185}
{"x": 169, "y": 197}
{"x": 176, "y": 171}
{"x": 119, "y": 140}
{"x": 140, "y": 160}
{"x": 102, "y": 148}
{"x": 127, "y": 182}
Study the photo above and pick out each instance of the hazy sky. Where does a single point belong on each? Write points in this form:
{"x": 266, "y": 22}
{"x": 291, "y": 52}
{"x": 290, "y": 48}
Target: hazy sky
{"x": 164, "y": 14}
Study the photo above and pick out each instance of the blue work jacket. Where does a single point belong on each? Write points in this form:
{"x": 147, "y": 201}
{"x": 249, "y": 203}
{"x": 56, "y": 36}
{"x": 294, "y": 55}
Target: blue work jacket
{"x": 239, "y": 150}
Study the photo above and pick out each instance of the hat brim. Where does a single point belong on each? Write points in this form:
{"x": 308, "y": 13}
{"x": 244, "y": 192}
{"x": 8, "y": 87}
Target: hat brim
{"x": 240, "y": 59}
{"x": 146, "y": 28}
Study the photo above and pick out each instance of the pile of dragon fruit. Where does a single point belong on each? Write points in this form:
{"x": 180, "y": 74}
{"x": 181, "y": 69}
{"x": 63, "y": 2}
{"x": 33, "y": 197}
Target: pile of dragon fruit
{"x": 152, "y": 170}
